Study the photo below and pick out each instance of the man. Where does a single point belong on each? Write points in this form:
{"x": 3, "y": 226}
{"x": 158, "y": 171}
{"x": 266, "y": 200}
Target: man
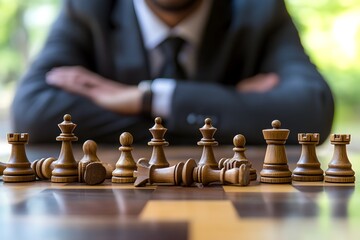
{"x": 239, "y": 62}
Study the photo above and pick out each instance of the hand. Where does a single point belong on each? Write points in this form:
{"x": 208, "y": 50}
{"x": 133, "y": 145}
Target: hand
{"x": 108, "y": 94}
{"x": 259, "y": 83}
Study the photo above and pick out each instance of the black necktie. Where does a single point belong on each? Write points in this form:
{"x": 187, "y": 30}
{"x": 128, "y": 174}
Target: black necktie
{"x": 171, "y": 47}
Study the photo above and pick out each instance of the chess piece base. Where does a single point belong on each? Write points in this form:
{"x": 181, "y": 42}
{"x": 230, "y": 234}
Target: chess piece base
{"x": 275, "y": 180}
{"x": 253, "y": 176}
{"x": 19, "y": 178}
{"x": 339, "y": 179}
{"x": 123, "y": 179}
{"x": 64, "y": 179}
{"x": 307, "y": 178}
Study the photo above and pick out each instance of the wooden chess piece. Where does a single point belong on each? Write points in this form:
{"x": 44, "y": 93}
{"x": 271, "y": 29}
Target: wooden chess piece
{"x": 208, "y": 142}
{"x": 239, "y": 154}
{"x": 206, "y": 175}
{"x": 18, "y": 169}
{"x": 147, "y": 173}
{"x": 125, "y": 166}
{"x": 275, "y": 167}
{"x": 88, "y": 172}
{"x": 340, "y": 170}
{"x": 2, "y": 168}
{"x": 43, "y": 167}
{"x": 158, "y": 143}
{"x": 308, "y": 167}
{"x": 66, "y": 168}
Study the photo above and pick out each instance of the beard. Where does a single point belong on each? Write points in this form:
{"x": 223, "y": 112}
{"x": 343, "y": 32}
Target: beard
{"x": 174, "y": 5}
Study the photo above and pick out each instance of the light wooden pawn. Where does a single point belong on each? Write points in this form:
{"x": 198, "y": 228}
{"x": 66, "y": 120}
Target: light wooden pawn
{"x": 66, "y": 168}
{"x": 18, "y": 169}
{"x": 340, "y": 169}
{"x": 90, "y": 169}
{"x": 308, "y": 167}
{"x": 147, "y": 173}
{"x": 275, "y": 167}
{"x": 43, "y": 167}
{"x": 125, "y": 166}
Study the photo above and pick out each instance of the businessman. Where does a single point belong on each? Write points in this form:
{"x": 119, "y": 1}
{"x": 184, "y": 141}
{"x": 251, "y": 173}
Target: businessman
{"x": 115, "y": 65}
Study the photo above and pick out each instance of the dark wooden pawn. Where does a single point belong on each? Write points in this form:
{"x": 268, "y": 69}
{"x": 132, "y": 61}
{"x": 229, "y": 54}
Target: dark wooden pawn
{"x": 125, "y": 166}
{"x": 193, "y": 173}
{"x": 66, "y": 168}
{"x": 18, "y": 169}
{"x": 308, "y": 167}
{"x": 147, "y": 173}
{"x": 158, "y": 143}
{"x": 275, "y": 167}
{"x": 340, "y": 168}
{"x": 208, "y": 142}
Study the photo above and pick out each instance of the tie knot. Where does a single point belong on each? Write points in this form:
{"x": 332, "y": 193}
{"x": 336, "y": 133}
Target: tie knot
{"x": 172, "y": 45}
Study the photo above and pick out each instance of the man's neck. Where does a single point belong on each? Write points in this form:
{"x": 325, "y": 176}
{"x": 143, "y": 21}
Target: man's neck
{"x": 172, "y": 18}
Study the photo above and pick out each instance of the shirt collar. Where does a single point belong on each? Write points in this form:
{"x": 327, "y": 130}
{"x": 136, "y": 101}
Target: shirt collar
{"x": 154, "y": 30}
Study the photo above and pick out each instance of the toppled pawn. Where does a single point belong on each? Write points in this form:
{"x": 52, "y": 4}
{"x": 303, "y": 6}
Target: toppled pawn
{"x": 90, "y": 169}
{"x": 125, "y": 166}
{"x": 158, "y": 143}
{"x": 308, "y": 167}
{"x": 239, "y": 156}
{"x": 275, "y": 167}
{"x": 192, "y": 173}
{"x": 43, "y": 167}
{"x": 18, "y": 169}
{"x": 147, "y": 173}
{"x": 340, "y": 168}
{"x": 66, "y": 168}
{"x": 208, "y": 142}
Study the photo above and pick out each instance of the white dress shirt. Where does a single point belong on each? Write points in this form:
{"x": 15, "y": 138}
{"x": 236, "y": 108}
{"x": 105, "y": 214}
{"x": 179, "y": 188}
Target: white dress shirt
{"x": 154, "y": 31}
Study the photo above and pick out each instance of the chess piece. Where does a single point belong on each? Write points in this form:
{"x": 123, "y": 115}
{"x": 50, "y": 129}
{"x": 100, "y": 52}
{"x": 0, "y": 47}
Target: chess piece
{"x": 206, "y": 175}
{"x": 43, "y": 167}
{"x": 18, "y": 168}
{"x": 87, "y": 171}
{"x": 275, "y": 167}
{"x": 340, "y": 170}
{"x": 147, "y": 173}
{"x": 66, "y": 168}
{"x": 208, "y": 142}
{"x": 125, "y": 166}
{"x": 239, "y": 154}
{"x": 158, "y": 158}
{"x": 2, "y": 168}
{"x": 308, "y": 167}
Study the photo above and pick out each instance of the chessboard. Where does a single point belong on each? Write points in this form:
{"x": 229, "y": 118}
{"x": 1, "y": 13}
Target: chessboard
{"x": 300, "y": 210}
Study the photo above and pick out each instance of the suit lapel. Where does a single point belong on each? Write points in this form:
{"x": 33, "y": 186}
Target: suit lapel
{"x": 218, "y": 39}
{"x": 130, "y": 57}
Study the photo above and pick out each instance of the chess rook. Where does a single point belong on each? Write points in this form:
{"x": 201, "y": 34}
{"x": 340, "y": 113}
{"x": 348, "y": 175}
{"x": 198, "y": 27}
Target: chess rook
{"x": 158, "y": 143}
{"x": 275, "y": 167}
{"x": 340, "y": 170}
{"x": 208, "y": 142}
{"x": 66, "y": 168}
{"x": 308, "y": 167}
{"x": 18, "y": 169}
{"x": 147, "y": 173}
{"x": 125, "y": 166}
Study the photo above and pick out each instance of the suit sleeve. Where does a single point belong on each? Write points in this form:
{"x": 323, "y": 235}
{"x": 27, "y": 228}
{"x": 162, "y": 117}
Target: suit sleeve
{"x": 38, "y": 108}
{"x": 302, "y": 101}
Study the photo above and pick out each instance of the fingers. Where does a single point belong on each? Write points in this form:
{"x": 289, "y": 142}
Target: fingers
{"x": 259, "y": 83}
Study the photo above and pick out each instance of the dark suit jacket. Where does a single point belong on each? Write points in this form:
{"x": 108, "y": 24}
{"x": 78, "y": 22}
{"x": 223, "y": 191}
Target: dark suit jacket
{"x": 242, "y": 38}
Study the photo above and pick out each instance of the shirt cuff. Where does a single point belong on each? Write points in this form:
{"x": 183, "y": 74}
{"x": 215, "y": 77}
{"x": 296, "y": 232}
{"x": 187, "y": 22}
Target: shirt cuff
{"x": 162, "y": 91}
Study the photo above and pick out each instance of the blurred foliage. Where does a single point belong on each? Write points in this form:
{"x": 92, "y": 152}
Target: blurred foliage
{"x": 329, "y": 29}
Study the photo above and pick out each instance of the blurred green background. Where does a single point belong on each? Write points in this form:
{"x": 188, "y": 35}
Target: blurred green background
{"x": 329, "y": 29}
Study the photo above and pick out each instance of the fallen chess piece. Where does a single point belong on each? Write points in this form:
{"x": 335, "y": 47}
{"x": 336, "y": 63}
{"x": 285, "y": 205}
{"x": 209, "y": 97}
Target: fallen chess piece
{"x": 2, "y": 168}
{"x": 147, "y": 173}
{"x": 43, "y": 167}
{"x": 193, "y": 173}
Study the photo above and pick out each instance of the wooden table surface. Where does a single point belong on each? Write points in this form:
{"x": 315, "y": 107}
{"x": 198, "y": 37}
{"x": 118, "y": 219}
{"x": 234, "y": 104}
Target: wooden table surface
{"x": 45, "y": 210}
